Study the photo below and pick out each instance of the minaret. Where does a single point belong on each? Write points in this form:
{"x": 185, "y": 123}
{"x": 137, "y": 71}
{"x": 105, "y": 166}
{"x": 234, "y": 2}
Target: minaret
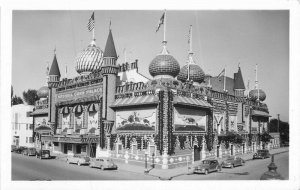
{"x": 54, "y": 77}
{"x": 109, "y": 70}
{"x": 256, "y": 83}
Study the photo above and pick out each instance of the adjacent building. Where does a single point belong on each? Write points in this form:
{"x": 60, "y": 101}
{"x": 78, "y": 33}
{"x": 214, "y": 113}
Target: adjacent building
{"x": 22, "y": 128}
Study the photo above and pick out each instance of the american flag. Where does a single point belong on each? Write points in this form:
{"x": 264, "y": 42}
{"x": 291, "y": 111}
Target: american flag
{"x": 160, "y": 22}
{"x": 91, "y": 23}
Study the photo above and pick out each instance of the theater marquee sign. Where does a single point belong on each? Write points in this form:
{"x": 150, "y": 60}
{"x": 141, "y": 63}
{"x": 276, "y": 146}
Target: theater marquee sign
{"x": 70, "y": 95}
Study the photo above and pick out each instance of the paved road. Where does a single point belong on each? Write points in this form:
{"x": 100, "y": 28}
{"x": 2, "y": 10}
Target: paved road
{"x": 252, "y": 170}
{"x": 31, "y": 168}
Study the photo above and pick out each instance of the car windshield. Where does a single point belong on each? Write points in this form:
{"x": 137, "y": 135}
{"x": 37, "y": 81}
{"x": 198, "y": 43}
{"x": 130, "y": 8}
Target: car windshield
{"x": 45, "y": 151}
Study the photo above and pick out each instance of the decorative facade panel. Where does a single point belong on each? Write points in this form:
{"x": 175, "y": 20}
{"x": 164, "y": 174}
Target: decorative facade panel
{"x": 136, "y": 119}
{"x": 189, "y": 119}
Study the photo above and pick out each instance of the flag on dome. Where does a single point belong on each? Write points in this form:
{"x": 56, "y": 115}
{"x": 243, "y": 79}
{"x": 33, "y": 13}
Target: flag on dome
{"x": 91, "y": 23}
{"x": 221, "y": 74}
{"x": 160, "y": 22}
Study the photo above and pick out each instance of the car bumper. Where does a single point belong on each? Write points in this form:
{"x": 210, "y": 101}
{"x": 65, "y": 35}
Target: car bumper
{"x": 227, "y": 165}
{"x": 199, "y": 171}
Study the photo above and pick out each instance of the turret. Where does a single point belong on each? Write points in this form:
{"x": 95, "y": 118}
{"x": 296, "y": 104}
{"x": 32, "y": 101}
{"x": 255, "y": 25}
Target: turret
{"x": 109, "y": 70}
{"x": 54, "y": 77}
{"x": 239, "y": 87}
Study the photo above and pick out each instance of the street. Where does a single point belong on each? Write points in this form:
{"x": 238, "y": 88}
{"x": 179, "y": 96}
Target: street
{"x": 31, "y": 168}
{"x": 252, "y": 170}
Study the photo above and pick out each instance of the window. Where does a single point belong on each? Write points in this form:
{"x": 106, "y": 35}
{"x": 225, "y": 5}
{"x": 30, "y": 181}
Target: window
{"x": 30, "y": 139}
{"x": 55, "y": 143}
{"x": 26, "y": 126}
{"x": 31, "y": 126}
{"x": 83, "y": 148}
{"x": 26, "y": 139}
{"x": 28, "y": 113}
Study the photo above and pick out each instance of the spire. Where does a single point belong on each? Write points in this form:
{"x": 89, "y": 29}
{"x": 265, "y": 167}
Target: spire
{"x": 110, "y": 50}
{"x": 238, "y": 80}
{"x": 256, "y": 82}
{"x": 54, "y": 70}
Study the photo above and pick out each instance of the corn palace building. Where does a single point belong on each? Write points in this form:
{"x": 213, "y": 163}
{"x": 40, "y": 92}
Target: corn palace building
{"x": 179, "y": 116}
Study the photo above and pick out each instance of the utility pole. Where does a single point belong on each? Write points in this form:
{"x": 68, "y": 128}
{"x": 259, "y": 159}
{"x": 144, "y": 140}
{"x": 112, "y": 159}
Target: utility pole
{"x": 278, "y": 123}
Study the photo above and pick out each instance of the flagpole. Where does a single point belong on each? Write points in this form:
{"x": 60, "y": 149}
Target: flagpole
{"x": 225, "y": 79}
{"x": 165, "y": 23}
{"x": 94, "y": 27}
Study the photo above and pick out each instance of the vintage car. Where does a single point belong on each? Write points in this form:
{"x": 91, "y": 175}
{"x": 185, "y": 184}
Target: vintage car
{"x": 20, "y": 149}
{"x": 103, "y": 163}
{"x": 29, "y": 151}
{"x": 13, "y": 148}
{"x": 78, "y": 159}
{"x": 261, "y": 154}
{"x": 43, "y": 154}
{"x": 207, "y": 166}
{"x": 233, "y": 161}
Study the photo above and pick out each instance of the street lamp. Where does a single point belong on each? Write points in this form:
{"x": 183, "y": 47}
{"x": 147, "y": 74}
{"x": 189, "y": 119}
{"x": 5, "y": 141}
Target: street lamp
{"x": 272, "y": 173}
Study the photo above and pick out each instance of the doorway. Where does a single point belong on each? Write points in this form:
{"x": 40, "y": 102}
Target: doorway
{"x": 218, "y": 151}
{"x": 231, "y": 150}
{"x": 196, "y": 153}
{"x": 65, "y": 148}
{"x": 243, "y": 148}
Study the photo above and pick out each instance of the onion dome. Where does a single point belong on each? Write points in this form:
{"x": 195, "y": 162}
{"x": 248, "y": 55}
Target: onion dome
{"x": 191, "y": 71}
{"x": 253, "y": 94}
{"x": 196, "y": 74}
{"x": 164, "y": 65}
{"x": 89, "y": 59}
{"x": 43, "y": 92}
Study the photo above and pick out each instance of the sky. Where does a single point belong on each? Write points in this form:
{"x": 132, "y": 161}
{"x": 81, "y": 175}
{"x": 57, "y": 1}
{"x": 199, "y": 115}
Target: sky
{"x": 220, "y": 39}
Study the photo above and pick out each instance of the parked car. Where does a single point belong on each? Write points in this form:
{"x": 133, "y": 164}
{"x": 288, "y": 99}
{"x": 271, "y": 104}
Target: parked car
{"x": 207, "y": 166}
{"x": 262, "y": 154}
{"x": 233, "y": 161}
{"x": 78, "y": 159}
{"x": 20, "y": 149}
{"x": 13, "y": 148}
{"x": 43, "y": 154}
{"x": 103, "y": 163}
{"x": 29, "y": 151}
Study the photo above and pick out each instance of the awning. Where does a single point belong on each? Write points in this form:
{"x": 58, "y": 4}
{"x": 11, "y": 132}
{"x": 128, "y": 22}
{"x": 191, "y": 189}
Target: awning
{"x": 65, "y": 110}
{"x": 260, "y": 113}
{"x": 140, "y": 100}
{"x": 43, "y": 129}
{"x": 40, "y": 111}
{"x": 93, "y": 107}
{"x": 191, "y": 102}
{"x": 78, "y": 109}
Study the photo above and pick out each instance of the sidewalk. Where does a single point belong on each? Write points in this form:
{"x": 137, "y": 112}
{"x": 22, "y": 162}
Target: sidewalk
{"x": 170, "y": 173}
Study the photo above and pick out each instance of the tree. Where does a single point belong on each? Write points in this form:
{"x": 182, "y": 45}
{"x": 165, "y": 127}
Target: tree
{"x": 30, "y": 96}
{"x": 284, "y": 129}
{"x": 16, "y": 100}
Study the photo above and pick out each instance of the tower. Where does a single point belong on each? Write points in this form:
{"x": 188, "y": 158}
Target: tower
{"x": 239, "y": 87}
{"x": 54, "y": 77}
{"x": 109, "y": 70}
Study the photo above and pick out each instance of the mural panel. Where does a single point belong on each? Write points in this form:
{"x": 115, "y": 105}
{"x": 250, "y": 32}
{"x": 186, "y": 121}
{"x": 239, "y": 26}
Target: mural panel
{"x": 92, "y": 121}
{"x": 136, "y": 119}
{"x": 78, "y": 121}
{"x": 189, "y": 119}
{"x": 65, "y": 121}
{"x": 232, "y": 123}
{"x": 40, "y": 121}
{"x": 219, "y": 120}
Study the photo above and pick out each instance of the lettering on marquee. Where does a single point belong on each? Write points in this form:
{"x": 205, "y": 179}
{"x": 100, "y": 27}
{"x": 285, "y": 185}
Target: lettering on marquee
{"x": 79, "y": 93}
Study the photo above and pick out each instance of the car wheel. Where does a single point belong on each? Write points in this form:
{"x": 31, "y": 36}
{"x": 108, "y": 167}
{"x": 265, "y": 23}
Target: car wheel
{"x": 206, "y": 172}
